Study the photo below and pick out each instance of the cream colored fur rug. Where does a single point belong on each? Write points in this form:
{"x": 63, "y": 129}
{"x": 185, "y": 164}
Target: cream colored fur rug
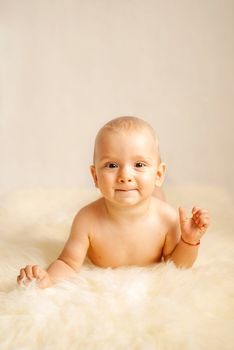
{"x": 152, "y": 308}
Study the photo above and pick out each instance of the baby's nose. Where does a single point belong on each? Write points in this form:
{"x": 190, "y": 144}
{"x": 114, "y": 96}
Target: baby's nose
{"x": 124, "y": 180}
{"x": 125, "y": 176}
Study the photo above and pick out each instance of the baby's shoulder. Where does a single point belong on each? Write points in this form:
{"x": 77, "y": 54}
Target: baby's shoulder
{"x": 88, "y": 213}
{"x": 85, "y": 221}
{"x": 166, "y": 211}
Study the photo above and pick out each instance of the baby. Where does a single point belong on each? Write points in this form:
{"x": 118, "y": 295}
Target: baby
{"x": 130, "y": 224}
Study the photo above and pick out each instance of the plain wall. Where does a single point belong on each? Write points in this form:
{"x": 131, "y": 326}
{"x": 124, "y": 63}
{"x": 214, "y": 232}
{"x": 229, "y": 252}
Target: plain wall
{"x": 69, "y": 66}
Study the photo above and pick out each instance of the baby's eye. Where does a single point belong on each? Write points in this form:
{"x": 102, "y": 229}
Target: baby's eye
{"x": 139, "y": 165}
{"x": 111, "y": 165}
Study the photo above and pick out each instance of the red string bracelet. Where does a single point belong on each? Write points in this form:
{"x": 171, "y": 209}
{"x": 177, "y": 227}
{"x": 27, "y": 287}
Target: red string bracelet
{"x": 194, "y": 245}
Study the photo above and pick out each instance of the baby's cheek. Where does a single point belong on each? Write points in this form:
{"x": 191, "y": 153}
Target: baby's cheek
{"x": 149, "y": 177}
{"x": 147, "y": 182}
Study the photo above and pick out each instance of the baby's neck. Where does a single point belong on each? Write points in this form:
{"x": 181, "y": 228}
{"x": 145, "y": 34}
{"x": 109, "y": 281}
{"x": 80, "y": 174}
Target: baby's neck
{"x": 128, "y": 214}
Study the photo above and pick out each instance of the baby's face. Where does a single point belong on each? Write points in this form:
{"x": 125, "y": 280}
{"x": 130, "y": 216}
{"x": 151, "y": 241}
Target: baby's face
{"x": 126, "y": 166}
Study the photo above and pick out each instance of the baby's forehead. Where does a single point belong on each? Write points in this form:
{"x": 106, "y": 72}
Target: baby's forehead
{"x": 144, "y": 139}
{"x": 106, "y": 134}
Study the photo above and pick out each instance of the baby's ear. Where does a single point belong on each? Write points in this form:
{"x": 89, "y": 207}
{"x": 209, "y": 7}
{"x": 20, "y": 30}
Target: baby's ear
{"x": 94, "y": 175}
{"x": 160, "y": 174}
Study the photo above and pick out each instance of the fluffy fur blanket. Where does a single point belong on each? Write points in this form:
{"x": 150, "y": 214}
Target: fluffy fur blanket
{"x": 158, "y": 307}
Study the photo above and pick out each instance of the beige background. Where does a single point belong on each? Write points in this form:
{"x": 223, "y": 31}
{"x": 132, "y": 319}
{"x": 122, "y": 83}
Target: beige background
{"x": 69, "y": 66}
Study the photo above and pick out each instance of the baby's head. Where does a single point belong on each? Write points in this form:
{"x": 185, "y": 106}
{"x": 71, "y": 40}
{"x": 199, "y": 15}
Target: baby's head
{"x": 127, "y": 151}
{"x": 127, "y": 125}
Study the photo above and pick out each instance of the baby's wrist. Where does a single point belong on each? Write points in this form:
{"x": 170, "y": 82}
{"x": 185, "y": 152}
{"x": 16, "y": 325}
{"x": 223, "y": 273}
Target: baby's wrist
{"x": 191, "y": 243}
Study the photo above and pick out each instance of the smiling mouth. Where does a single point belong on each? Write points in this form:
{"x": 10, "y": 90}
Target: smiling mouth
{"x": 132, "y": 189}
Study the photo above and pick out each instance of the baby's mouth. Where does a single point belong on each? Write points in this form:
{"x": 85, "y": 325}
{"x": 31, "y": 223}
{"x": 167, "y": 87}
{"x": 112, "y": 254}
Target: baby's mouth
{"x": 126, "y": 189}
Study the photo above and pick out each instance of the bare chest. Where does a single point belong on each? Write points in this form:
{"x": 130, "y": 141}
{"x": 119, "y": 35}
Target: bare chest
{"x": 134, "y": 245}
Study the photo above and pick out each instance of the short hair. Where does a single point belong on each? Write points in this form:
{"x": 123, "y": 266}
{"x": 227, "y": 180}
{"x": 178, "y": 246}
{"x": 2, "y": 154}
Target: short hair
{"x": 127, "y": 123}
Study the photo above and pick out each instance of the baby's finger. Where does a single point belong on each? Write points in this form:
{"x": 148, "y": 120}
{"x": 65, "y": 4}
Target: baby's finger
{"x": 28, "y": 271}
{"x": 203, "y": 227}
{"x": 36, "y": 271}
{"x": 205, "y": 220}
{"x": 195, "y": 210}
{"x": 195, "y": 213}
{"x": 202, "y": 223}
{"x": 203, "y": 215}
{"x": 21, "y": 276}
{"x": 200, "y": 212}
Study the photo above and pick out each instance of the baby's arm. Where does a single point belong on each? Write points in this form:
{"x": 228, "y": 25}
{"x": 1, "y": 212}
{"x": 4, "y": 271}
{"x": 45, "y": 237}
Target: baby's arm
{"x": 187, "y": 232}
{"x": 69, "y": 261}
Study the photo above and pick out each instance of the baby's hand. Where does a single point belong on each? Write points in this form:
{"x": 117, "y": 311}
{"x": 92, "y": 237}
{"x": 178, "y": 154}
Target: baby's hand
{"x": 192, "y": 229}
{"x": 30, "y": 273}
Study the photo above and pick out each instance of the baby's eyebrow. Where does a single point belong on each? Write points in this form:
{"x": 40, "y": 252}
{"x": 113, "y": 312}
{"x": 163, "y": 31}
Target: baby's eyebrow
{"x": 135, "y": 157}
{"x": 142, "y": 157}
{"x": 106, "y": 157}
{"x": 150, "y": 161}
